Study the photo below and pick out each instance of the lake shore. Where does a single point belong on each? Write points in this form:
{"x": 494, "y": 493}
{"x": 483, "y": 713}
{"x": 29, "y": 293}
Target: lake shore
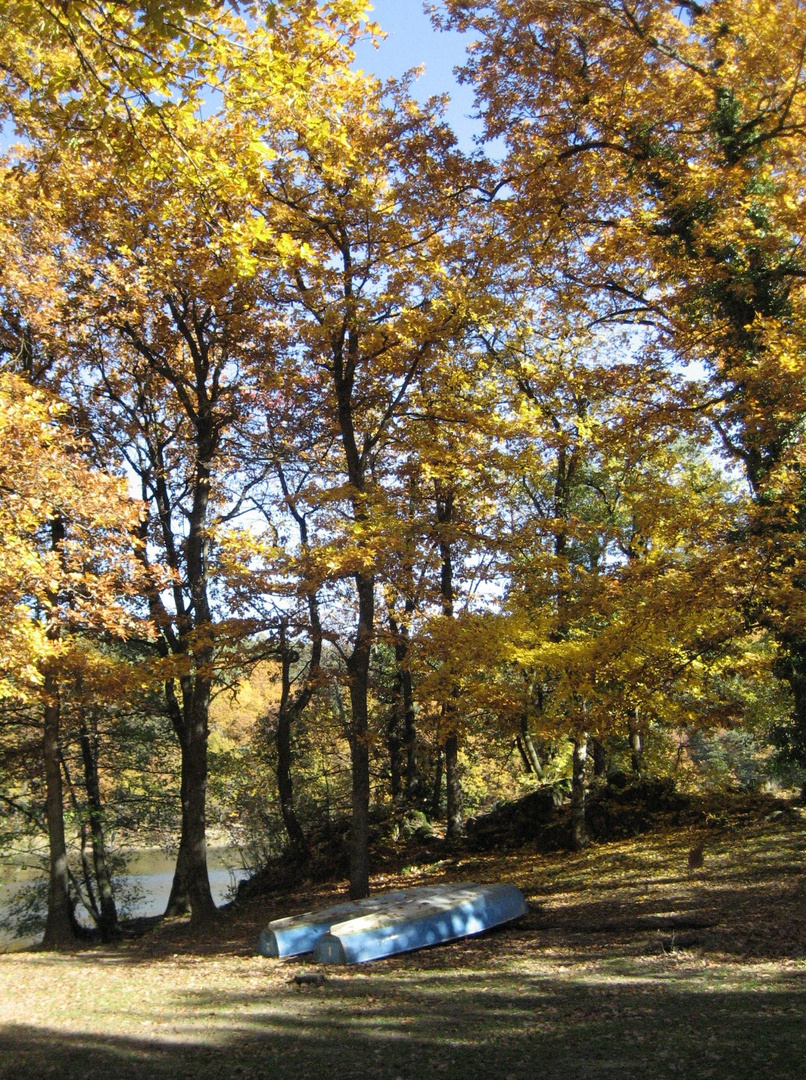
{"x": 146, "y": 884}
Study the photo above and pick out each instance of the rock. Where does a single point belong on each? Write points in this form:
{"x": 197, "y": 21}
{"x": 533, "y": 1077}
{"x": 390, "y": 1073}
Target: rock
{"x": 512, "y": 822}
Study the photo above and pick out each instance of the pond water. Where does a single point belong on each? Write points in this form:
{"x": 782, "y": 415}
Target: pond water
{"x": 146, "y": 887}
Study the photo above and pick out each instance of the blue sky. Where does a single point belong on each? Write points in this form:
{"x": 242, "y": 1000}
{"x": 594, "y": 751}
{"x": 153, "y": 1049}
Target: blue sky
{"x": 413, "y": 41}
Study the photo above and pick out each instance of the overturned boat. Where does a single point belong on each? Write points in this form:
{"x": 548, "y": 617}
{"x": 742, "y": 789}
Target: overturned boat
{"x": 299, "y": 933}
{"x": 419, "y": 918}
{"x": 392, "y": 922}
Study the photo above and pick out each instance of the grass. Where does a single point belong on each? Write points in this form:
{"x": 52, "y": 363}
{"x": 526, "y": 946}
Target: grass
{"x": 628, "y": 964}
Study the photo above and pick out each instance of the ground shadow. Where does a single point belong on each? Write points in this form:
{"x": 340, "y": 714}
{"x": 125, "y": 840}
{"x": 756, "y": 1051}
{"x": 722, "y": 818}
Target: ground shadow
{"x": 410, "y": 1025}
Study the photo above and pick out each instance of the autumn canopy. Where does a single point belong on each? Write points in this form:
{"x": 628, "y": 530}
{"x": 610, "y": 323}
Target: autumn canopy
{"x": 344, "y": 473}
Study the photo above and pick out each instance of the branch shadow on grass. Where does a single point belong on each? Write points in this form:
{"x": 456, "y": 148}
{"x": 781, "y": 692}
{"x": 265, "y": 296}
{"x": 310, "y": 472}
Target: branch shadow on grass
{"x": 408, "y": 1025}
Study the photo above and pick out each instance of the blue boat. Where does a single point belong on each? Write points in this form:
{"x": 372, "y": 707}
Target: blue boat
{"x": 447, "y": 912}
{"x": 299, "y": 933}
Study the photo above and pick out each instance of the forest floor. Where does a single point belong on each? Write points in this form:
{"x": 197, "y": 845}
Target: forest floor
{"x": 628, "y": 964}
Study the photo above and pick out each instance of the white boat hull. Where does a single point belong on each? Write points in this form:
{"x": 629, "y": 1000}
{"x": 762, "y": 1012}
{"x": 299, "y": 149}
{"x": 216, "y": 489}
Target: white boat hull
{"x": 441, "y": 914}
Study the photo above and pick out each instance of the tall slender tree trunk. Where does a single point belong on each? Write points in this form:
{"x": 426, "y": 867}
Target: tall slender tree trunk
{"x": 599, "y": 758}
{"x": 528, "y": 751}
{"x": 60, "y": 927}
{"x": 108, "y": 920}
{"x": 190, "y": 890}
{"x": 412, "y": 785}
{"x": 436, "y": 791}
{"x": 292, "y": 706}
{"x": 289, "y": 711}
{"x": 191, "y": 886}
{"x": 394, "y": 748}
{"x": 579, "y": 833}
{"x": 179, "y": 896}
{"x": 405, "y": 708}
{"x": 790, "y": 666}
{"x": 636, "y": 742}
{"x": 358, "y": 672}
{"x": 297, "y": 843}
{"x": 346, "y": 355}
{"x": 527, "y": 765}
{"x": 453, "y": 783}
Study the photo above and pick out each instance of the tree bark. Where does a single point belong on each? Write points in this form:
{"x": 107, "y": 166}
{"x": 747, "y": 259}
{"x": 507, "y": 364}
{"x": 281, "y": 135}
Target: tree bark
{"x": 527, "y": 765}
{"x": 636, "y": 743}
{"x": 346, "y": 355}
{"x": 358, "y": 672}
{"x": 599, "y": 759}
{"x": 529, "y": 752}
{"x": 579, "y": 834}
{"x": 108, "y": 915}
{"x": 292, "y": 706}
{"x": 60, "y": 926}
{"x": 394, "y": 748}
{"x": 436, "y": 793}
{"x": 297, "y": 843}
{"x": 191, "y": 885}
{"x": 790, "y": 666}
{"x": 453, "y": 785}
{"x": 405, "y": 709}
{"x": 290, "y": 709}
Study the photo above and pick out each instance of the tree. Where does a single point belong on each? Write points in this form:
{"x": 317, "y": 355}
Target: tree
{"x": 656, "y": 149}
{"x": 162, "y": 314}
{"x": 69, "y": 565}
{"x": 368, "y": 192}
{"x": 78, "y": 69}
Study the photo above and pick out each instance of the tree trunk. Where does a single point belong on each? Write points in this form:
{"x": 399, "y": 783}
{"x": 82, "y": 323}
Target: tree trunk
{"x": 579, "y": 834}
{"x": 455, "y": 826}
{"x": 87, "y": 898}
{"x": 528, "y": 750}
{"x": 405, "y": 705}
{"x": 453, "y": 784}
{"x": 287, "y": 713}
{"x": 636, "y": 743}
{"x": 346, "y": 355}
{"x": 395, "y": 749}
{"x": 179, "y": 897}
{"x": 60, "y": 928}
{"x": 436, "y": 794}
{"x": 190, "y": 890}
{"x": 790, "y": 666}
{"x": 527, "y": 765}
{"x": 108, "y": 915}
{"x": 358, "y": 671}
{"x": 293, "y": 706}
{"x": 60, "y": 925}
{"x": 285, "y": 787}
{"x": 412, "y": 784}
{"x": 599, "y": 759}
{"x": 191, "y": 885}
